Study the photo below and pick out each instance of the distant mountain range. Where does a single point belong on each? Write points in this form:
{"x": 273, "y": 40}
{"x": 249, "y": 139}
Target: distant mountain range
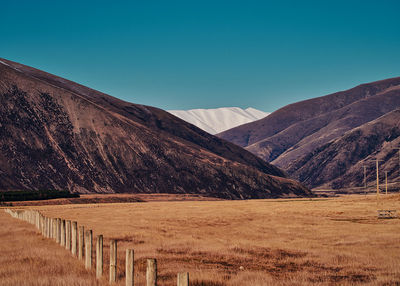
{"x": 341, "y": 162}
{"x": 324, "y": 141}
{"x": 57, "y": 134}
{"x": 219, "y": 119}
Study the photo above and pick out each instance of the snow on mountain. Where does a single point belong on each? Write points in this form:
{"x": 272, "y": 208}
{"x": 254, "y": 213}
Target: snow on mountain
{"x": 219, "y": 119}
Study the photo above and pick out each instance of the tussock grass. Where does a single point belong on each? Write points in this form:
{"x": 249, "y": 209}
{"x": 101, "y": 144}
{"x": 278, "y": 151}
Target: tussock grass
{"x": 260, "y": 242}
{"x": 29, "y": 259}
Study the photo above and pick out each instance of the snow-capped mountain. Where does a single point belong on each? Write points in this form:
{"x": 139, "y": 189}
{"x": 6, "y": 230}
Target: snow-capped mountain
{"x": 217, "y": 120}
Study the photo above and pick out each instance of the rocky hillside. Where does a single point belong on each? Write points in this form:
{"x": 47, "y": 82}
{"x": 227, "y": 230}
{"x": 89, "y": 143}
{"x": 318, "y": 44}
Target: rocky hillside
{"x": 295, "y": 132}
{"x": 339, "y": 163}
{"x": 56, "y": 134}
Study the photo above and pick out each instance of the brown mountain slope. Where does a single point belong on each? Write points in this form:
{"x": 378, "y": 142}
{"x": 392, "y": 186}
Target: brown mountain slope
{"x": 339, "y": 163}
{"x": 296, "y": 130}
{"x": 253, "y": 132}
{"x": 58, "y": 134}
{"x": 305, "y": 136}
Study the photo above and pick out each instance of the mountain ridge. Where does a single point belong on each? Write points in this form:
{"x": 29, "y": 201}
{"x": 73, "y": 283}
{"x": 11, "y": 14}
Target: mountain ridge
{"x": 57, "y": 134}
{"x": 339, "y": 163}
{"x": 295, "y": 112}
{"x": 297, "y": 130}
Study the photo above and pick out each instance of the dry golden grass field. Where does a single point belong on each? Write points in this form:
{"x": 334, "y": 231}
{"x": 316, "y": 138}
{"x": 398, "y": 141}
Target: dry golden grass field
{"x": 115, "y": 198}
{"x": 333, "y": 241}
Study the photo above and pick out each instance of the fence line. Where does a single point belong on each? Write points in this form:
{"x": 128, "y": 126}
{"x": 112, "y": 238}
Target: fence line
{"x": 75, "y": 239}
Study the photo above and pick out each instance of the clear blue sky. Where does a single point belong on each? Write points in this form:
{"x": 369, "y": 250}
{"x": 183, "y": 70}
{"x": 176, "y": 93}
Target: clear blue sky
{"x": 206, "y": 54}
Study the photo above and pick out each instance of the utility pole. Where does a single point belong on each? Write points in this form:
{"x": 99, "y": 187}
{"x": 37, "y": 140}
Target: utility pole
{"x": 365, "y": 179}
{"x": 377, "y": 179}
{"x": 386, "y": 180}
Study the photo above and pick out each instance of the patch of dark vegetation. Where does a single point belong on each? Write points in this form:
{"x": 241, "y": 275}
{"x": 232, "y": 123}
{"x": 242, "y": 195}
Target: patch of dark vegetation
{"x": 341, "y": 278}
{"x": 206, "y": 283}
{"x": 180, "y": 251}
{"x": 269, "y": 253}
{"x": 4, "y": 204}
{"x": 353, "y": 277}
{"x": 391, "y": 284}
{"x": 164, "y": 277}
{"x": 128, "y": 238}
{"x": 29, "y": 195}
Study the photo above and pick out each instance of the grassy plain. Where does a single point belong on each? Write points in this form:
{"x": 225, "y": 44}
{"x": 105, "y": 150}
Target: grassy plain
{"x": 114, "y": 198}
{"x": 26, "y": 258}
{"x": 259, "y": 242}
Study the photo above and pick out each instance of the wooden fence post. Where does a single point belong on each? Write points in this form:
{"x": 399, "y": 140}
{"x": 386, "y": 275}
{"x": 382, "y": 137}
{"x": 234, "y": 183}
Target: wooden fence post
{"x": 54, "y": 227}
{"x": 63, "y": 232}
{"x": 41, "y": 223}
{"x": 129, "y": 267}
{"x": 51, "y": 227}
{"x": 46, "y": 227}
{"x": 151, "y": 272}
{"x": 68, "y": 234}
{"x": 99, "y": 256}
{"x": 88, "y": 249}
{"x": 113, "y": 261}
{"x": 58, "y": 228}
{"x": 37, "y": 220}
{"x": 74, "y": 233}
{"x": 183, "y": 279}
{"x": 80, "y": 242}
